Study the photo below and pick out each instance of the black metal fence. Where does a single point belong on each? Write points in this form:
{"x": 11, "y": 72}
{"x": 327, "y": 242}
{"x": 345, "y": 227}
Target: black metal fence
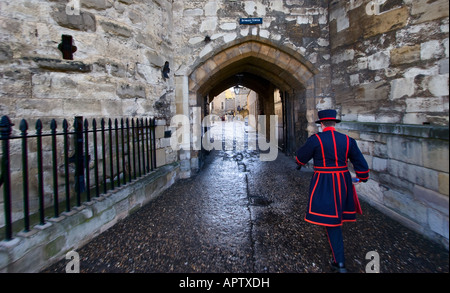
{"x": 61, "y": 169}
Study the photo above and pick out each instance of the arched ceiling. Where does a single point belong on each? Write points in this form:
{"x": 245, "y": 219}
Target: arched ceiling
{"x": 260, "y": 63}
{"x": 249, "y": 72}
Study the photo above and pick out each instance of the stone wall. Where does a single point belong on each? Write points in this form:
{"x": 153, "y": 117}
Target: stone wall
{"x": 390, "y": 77}
{"x": 300, "y": 25}
{"x": 409, "y": 173}
{"x": 116, "y": 71}
{"x": 390, "y": 61}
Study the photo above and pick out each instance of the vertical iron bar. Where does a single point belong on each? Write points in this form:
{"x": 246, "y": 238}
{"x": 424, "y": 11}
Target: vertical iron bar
{"x": 147, "y": 143}
{"x": 111, "y": 159}
{"x": 151, "y": 142}
{"x": 66, "y": 163}
{"x": 138, "y": 147}
{"x": 123, "y": 150}
{"x": 86, "y": 160}
{"x": 94, "y": 136}
{"x": 133, "y": 143}
{"x": 144, "y": 171}
{"x": 78, "y": 125}
{"x": 154, "y": 142}
{"x": 26, "y": 206}
{"x": 5, "y": 132}
{"x": 102, "y": 122}
{"x": 116, "y": 125}
{"x": 40, "y": 172}
{"x": 53, "y": 127}
{"x": 128, "y": 150}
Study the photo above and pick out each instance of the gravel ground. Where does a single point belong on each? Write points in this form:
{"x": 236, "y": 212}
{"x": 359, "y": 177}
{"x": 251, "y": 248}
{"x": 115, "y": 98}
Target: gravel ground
{"x": 242, "y": 215}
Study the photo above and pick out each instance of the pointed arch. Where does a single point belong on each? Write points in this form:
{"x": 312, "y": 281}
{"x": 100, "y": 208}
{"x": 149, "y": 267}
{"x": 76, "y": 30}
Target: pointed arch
{"x": 264, "y": 66}
{"x": 281, "y": 65}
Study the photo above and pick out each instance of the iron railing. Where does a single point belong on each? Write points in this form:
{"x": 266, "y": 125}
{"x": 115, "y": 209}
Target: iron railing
{"x": 79, "y": 157}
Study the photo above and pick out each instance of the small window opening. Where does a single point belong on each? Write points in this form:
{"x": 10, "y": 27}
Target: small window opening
{"x": 66, "y": 47}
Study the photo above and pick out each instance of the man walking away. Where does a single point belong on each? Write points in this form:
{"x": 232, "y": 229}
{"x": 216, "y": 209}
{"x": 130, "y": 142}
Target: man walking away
{"x": 332, "y": 196}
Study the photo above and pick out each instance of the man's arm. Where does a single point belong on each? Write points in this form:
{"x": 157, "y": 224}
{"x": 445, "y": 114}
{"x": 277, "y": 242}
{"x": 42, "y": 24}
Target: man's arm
{"x": 359, "y": 162}
{"x": 306, "y": 152}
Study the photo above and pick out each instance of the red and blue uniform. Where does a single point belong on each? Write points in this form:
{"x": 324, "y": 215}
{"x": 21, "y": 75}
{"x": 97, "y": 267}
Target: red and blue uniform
{"x": 332, "y": 196}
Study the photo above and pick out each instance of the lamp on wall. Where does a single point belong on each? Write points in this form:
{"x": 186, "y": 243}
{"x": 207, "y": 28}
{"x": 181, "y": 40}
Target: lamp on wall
{"x": 237, "y": 88}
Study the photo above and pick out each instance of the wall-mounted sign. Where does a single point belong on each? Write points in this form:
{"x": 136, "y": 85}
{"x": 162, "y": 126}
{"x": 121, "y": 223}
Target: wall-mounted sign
{"x": 250, "y": 20}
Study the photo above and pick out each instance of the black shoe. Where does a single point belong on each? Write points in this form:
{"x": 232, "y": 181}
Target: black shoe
{"x": 338, "y": 267}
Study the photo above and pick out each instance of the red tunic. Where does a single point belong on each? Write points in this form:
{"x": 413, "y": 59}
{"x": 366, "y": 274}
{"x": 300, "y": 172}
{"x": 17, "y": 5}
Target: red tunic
{"x": 332, "y": 196}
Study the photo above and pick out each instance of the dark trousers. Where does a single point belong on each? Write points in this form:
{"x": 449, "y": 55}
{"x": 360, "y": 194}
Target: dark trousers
{"x": 336, "y": 243}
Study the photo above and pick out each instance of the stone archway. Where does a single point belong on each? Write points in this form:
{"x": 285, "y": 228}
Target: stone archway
{"x": 288, "y": 68}
{"x": 266, "y": 66}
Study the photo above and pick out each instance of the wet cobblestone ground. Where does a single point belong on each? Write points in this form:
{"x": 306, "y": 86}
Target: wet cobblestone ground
{"x": 242, "y": 215}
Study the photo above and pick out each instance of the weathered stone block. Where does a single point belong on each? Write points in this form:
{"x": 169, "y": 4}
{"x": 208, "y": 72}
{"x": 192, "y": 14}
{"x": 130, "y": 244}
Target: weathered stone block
{"x": 193, "y": 12}
{"x": 229, "y": 38}
{"x": 431, "y": 104}
{"x": 85, "y": 21}
{"x": 208, "y": 25}
{"x": 343, "y": 56}
{"x": 378, "y": 60}
{"x": 160, "y": 157}
{"x": 432, "y": 199}
{"x": 116, "y": 108}
{"x": 417, "y": 175}
{"x": 426, "y": 10}
{"x": 372, "y": 191}
{"x": 379, "y": 164}
{"x": 405, "y": 150}
{"x": 96, "y": 4}
{"x": 82, "y": 107}
{"x": 443, "y": 179}
{"x": 341, "y": 17}
{"x": 405, "y": 54}
{"x": 127, "y": 91}
{"x": 40, "y": 108}
{"x": 402, "y": 87}
{"x": 54, "y": 247}
{"x": 116, "y": 28}
{"x": 437, "y": 85}
{"x": 5, "y": 52}
{"x": 388, "y": 21}
{"x": 438, "y": 223}
{"x": 435, "y": 155}
{"x": 62, "y": 65}
{"x": 431, "y": 49}
{"x": 155, "y": 59}
{"x": 443, "y": 66}
{"x": 406, "y": 205}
